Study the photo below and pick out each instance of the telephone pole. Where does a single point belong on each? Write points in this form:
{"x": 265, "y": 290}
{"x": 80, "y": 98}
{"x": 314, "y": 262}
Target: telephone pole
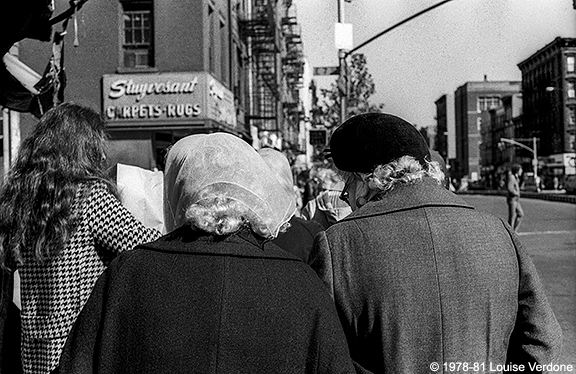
{"x": 342, "y": 69}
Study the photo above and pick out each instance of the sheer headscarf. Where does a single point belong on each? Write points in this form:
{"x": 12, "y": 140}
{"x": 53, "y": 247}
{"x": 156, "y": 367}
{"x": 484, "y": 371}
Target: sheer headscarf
{"x": 206, "y": 166}
{"x": 279, "y": 165}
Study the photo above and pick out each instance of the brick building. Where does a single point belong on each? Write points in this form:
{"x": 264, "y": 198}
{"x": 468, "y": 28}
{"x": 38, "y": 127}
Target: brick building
{"x": 470, "y": 100}
{"x": 159, "y": 70}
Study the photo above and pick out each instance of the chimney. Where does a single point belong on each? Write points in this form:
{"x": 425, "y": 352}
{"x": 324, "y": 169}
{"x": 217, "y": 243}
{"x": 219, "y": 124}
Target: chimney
{"x": 485, "y": 78}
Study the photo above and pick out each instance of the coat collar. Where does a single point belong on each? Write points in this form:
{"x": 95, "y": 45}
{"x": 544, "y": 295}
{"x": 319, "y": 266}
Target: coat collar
{"x": 404, "y": 197}
{"x": 240, "y": 244}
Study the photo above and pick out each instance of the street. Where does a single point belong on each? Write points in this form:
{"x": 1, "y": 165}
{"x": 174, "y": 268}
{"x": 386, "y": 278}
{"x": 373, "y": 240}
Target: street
{"x": 549, "y": 234}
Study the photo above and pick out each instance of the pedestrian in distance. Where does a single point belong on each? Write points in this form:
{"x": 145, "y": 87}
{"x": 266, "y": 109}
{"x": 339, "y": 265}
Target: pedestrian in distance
{"x": 298, "y": 239}
{"x": 515, "y": 211}
{"x": 421, "y": 280}
{"x": 214, "y": 295}
{"x": 435, "y": 156}
{"x": 326, "y": 208}
{"x": 60, "y": 225}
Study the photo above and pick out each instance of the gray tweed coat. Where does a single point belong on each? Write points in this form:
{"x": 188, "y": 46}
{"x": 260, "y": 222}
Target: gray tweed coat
{"x": 422, "y": 277}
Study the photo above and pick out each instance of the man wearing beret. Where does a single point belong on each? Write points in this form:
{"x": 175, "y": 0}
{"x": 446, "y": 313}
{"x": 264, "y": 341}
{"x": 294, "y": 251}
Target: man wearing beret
{"x": 421, "y": 280}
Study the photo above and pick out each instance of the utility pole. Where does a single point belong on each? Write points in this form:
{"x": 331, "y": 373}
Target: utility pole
{"x": 344, "y": 53}
{"x": 342, "y": 69}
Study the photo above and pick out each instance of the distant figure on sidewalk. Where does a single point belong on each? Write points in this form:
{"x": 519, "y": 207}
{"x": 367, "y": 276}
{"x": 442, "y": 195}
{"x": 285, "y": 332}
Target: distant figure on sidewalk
{"x": 298, "y": 239}
{"x": 515, "y": 212}
{"x": 327, "y": 207}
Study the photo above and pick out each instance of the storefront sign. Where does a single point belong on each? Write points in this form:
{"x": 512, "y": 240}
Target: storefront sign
{"x": 167, "y": 98}
{"x": 565, "y": 162}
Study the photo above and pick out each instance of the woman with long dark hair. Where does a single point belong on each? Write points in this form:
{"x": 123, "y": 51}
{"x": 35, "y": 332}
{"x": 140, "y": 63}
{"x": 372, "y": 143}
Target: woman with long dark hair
{"x": 61, "y": 223}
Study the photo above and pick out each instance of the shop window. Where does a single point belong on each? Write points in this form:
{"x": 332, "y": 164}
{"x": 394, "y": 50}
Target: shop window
{"x": 137, "y": 46}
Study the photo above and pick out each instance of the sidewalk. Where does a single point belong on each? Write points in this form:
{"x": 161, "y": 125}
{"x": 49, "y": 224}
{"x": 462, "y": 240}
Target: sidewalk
{"x": 544, "y": 195}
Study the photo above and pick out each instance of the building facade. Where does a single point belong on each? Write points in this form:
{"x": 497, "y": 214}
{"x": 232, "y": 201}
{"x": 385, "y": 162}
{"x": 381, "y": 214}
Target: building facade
{"x": 441, "y": 139}
{"x": 496, "y": 156}
{"x": 445, "y": 140}
{"x": 160, "y": 70}
{"x": 549, "y": 94}
{"x": 470, "y": 100}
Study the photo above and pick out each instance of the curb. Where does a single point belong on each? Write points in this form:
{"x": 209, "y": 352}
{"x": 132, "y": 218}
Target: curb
{"x": 571, "y": 199}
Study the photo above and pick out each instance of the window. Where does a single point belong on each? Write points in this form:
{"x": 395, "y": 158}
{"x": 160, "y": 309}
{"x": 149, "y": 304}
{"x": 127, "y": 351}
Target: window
{"x": 239, "y": 75}
{"x": 137, "y": 35}
{"x": 570, "y": 90}
{"x": 488, "y": 102}
{"x": 570, "y": 64}
{"x": 571, "y": 117}
{"x": 211, "y": 39}
{"x": 224, "y": 44}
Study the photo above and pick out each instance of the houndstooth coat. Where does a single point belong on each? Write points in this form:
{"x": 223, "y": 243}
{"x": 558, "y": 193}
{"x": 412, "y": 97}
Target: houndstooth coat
{"x": 54, "y": 292}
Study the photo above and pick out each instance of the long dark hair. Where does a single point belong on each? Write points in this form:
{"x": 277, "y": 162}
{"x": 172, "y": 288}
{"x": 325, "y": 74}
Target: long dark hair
{"x": 66, "y": 148}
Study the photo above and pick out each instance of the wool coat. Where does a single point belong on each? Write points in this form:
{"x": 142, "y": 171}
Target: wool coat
{"x": 196, "y": 303}
{"x": 299, "y": 238}
{"x": 421, "y": 277}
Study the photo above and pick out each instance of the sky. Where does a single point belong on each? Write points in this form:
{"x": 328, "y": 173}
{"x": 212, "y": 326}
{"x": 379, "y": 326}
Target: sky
{"x": 432, "y": 55}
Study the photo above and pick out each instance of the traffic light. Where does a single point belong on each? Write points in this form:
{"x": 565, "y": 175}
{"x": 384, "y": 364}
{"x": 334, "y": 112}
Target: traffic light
{"x": 318, "y": 137}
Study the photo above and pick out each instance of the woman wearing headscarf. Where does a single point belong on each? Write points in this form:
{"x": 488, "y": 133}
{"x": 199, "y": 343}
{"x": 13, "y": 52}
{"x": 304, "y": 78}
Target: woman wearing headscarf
{"x": 214, "y": 295}
{"x": 298, "y": 239}
{"x": 60, "y": 225}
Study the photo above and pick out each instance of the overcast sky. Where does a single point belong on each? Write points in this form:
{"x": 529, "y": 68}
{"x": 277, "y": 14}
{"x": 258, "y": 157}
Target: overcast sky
{"x": 458, "y": 42}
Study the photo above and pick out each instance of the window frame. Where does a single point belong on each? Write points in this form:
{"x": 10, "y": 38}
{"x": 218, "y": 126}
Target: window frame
{"x": 138, "y": 49}
{"x": 571, "y": 64}
{"x": 490, "y": 101}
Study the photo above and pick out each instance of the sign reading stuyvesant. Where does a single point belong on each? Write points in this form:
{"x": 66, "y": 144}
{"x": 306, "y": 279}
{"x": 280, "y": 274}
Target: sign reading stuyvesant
{"x": 170, "y": 98}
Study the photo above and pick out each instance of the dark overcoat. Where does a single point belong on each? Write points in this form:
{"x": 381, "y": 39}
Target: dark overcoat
{"x": 192, "y": 303}
{"x": 421, "y": 277}
{"x": 299, "y": 238}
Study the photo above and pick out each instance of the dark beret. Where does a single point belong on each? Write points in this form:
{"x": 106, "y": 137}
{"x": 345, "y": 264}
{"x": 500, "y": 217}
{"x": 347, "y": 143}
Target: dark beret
{"x": 367, "y": 140}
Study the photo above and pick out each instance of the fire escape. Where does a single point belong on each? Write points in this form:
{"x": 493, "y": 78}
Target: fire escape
{"x": 260, "y": 32}
{"x": 293, "y": 69}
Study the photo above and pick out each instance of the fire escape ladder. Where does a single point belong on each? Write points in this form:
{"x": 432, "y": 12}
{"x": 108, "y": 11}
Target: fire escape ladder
{"x": 292, "y": 69}
{"x": 259, "y": 30}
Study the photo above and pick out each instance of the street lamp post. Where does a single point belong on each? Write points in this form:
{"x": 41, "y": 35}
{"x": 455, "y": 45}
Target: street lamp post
{"x": 533, "y": 150}
{"x": 342, "y": 69}
{"x": 343, "y": 53}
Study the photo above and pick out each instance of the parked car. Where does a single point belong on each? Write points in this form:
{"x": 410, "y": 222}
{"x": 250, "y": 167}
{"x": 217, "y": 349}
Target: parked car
{"x": 570, "y": 184}
{"x": 529, "y": 183}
